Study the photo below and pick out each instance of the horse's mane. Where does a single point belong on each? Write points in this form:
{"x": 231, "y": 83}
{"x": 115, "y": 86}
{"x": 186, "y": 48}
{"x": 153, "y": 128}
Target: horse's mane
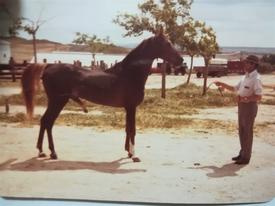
{"x": 130, "y": 58}
{"x": 115, "y": 69}
{"x": 137, "y": 52}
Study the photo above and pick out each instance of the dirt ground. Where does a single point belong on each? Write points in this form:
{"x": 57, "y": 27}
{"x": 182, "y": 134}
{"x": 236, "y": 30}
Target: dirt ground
{"x": 177, "y": 166}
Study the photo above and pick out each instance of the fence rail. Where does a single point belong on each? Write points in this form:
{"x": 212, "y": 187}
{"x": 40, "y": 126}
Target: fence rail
{"x": 11, "y": 72}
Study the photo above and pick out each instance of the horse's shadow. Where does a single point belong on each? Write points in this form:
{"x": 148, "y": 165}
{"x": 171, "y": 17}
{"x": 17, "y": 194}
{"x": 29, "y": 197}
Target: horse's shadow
{"x": 35, "y": 164}
{"x": 227, "y": 170}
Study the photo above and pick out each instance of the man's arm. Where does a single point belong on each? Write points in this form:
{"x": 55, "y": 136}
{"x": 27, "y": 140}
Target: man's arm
{"x": 225, "y": 86}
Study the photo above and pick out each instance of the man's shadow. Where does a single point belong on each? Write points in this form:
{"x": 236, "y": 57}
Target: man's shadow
{"x": 227, "y": 170}
{"x": 36, "y": 164}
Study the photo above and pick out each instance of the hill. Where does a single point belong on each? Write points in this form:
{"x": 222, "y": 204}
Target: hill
{"x": 22, "y": 49}
{"x": 249, "y": 50}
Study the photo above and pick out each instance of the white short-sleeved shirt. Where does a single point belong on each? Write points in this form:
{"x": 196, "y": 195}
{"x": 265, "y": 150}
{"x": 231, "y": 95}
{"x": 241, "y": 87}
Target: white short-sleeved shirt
{"x": 250, "y": 84}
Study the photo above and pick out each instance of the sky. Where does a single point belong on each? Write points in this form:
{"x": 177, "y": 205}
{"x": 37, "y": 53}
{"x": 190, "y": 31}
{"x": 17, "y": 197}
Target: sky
{"x": 249, "y": 23}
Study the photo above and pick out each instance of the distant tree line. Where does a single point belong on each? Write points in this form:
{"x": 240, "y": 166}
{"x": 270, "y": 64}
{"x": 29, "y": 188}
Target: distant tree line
{"x": 267, "y": 63}
{"x": 269, "y": 58}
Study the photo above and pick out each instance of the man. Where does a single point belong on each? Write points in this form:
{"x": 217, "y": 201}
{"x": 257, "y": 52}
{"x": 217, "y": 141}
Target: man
{"x": 12, "y": 68}
{"x": 249, "y": 91}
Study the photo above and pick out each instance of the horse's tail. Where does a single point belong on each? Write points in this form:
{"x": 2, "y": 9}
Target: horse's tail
{"x": 30, "y": 83}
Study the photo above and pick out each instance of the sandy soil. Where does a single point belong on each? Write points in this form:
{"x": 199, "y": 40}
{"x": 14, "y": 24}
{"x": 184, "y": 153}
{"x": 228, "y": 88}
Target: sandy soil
{"x": 178, "y": 166}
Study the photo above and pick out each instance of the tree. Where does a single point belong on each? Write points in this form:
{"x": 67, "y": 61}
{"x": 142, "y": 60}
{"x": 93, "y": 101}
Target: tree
{"x": 174, "y": 17}
{"x": 96, "y": 44}
{"x": 208, "y": 47}
{"x": 25, "y": 24}
{"x": 188, "y": 41}
{"x": 31, "y": 27}
{"x": 9, "y": 12}
{"x": 168, "y": 14}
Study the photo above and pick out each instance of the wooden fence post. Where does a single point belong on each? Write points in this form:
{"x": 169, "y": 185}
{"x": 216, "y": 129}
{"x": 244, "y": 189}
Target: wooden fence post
{"x": 163, "y": 79}
{"x": 7, "y": 106}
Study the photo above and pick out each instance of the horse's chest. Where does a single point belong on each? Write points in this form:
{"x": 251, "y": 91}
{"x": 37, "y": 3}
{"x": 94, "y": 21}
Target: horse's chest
{"x": 135, "y": 95}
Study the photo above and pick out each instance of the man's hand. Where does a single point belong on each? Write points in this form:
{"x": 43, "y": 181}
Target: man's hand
{"x": 244, "y": 99}
{"x": 222, "y": 86}
{"x": 218, "y": 83}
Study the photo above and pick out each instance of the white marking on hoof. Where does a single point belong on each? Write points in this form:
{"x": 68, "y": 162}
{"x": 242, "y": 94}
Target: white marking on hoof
{"x": 132, "y": 149}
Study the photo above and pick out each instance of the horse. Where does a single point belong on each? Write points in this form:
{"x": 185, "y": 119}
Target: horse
{"x": 122, "y": 85}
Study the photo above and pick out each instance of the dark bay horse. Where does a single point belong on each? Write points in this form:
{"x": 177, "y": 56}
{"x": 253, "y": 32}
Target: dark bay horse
{"x": 120, "y": 86}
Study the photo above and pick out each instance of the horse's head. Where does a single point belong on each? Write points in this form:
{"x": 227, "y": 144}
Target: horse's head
{"x": 163, "y": 48}
{"x": 157, "y": 46}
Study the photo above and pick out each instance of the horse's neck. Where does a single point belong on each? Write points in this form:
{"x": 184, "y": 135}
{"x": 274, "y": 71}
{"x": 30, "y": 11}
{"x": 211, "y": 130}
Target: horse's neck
{"x": 135, "y": 66}
{"x": 137, "y": 71}
{"x": 141, "y": 62}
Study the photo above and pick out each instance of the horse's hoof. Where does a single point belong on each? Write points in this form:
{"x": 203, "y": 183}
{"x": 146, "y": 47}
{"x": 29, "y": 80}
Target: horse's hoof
{"x": 42, "y": 155}
{"x": 53, "y": 156}
{"x": 130, "y": 155}
{"x": 136, "y": 159}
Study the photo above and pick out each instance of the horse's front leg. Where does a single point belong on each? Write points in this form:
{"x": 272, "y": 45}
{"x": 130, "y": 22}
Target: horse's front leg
{"x": 131, "y": 133}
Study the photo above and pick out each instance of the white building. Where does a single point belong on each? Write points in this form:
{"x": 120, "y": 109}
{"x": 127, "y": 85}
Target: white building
{"x": 5, "y": 52}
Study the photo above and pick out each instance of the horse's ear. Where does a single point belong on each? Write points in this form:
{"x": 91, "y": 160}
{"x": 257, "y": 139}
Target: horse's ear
{"x": 159, "y": 31}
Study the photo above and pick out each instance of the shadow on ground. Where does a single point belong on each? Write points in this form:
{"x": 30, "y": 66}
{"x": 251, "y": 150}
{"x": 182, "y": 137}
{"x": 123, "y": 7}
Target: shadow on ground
{"x": 36, "y": 164}
{"x": 226, "y": 170}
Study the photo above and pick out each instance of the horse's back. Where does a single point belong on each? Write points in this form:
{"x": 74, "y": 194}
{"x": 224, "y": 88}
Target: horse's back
{"x": 59, "y": 78}
{"x": 66, "y": 78}
{"x": 66, "y": 74}
{"x": 54, "y": 69}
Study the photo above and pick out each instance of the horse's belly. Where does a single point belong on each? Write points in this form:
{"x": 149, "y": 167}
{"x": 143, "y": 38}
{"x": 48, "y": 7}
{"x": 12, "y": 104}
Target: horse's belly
{"x": 105, "y": 97}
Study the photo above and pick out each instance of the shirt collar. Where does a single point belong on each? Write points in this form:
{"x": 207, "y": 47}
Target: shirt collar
{"x": 251, "y": 74}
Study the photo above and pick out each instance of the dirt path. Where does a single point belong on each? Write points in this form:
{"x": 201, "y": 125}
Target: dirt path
{"x": 177, "y": 166}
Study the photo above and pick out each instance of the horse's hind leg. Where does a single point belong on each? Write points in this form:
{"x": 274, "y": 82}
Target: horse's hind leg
{"x": 40, "y": 139}
{"x": 43, "y": 125}
{"x": 47, "y": 121}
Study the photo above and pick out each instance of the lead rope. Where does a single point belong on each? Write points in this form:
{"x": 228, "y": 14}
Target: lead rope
{"x": 219, "y": 88}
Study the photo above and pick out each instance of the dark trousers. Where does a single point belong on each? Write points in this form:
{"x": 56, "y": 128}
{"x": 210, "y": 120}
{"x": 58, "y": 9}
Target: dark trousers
{"x": 246, "y": 116}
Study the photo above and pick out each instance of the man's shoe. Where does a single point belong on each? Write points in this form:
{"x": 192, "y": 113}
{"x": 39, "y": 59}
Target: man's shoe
{"x": 242, "y": 161}
{"x": 236, "y": 158}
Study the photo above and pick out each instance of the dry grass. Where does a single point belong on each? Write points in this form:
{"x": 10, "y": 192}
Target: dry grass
{"x": 8, "y": 83}
{"x": 154, "y": 112}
